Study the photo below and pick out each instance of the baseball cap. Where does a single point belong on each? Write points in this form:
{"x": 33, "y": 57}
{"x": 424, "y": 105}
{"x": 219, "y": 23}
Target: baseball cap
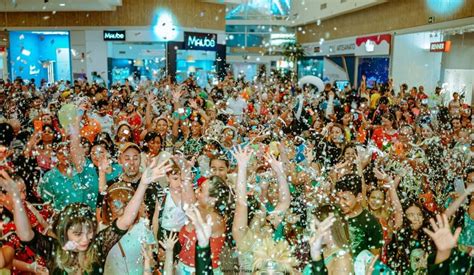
{"x": 127, "y": 145}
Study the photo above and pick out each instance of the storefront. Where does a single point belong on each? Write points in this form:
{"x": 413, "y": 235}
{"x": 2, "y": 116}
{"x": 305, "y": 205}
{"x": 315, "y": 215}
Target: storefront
{"x": 441, "y": 58}
{"x": 197, "y": 57}
{"x": 135, "y": 61}
{"x": 332, "y": 61}
{"x": 345, "y": 60}
{"x": 38, "y": 55}
{"x": 141, "y": 55}
{"x": 373, "y": 58}
{"x": 457, "y": 70}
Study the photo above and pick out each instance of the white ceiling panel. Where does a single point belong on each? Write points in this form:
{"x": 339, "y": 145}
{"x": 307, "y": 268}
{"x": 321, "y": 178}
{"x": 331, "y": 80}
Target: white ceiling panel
{"x": 58, "y": 5}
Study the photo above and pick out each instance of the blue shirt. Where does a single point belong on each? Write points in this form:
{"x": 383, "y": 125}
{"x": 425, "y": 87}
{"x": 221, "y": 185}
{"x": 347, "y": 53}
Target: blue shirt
{"x": 82, "y": 187}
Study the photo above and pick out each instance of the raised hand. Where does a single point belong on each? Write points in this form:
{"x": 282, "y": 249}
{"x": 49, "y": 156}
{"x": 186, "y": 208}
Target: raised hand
{"x": 380, "y": 175}
{"x": 147, "y": 253}
{"x": 319, "y": 230}
{"x": 203, "y": 229}
{"x": 8, "y": 184}
{"x": 177, "y": 95}
{"x": 37, "y": 137}
{"x": 242, "y": 155}
{"x": 169, "y": 241}
{"x": 104, "y": 163}
{"x": 276, "y": 165}
{"x": 193, "y": 104}
{"x": 155, "y": 171}
{"x": 150, "y": 97}
{"x": 441, "y": 234}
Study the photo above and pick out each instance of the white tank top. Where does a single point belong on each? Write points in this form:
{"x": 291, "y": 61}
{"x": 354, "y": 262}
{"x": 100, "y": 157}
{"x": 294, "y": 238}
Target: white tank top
{"x": 173, "y": 217}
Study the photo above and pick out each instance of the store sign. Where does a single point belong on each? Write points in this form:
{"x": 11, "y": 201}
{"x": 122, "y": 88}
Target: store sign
{"x": 443, "y": 46}
{"x": 373, "y": 45}
{"x": 340, "y": 47}
{"x": 200, "y": 41}
{"x": 114, "y": 35}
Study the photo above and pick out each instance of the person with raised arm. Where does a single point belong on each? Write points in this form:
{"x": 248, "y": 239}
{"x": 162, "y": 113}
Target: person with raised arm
{"x": 250, "y": 233}
{"x": 77, "y": 246}
{"x": 447, "y": 259}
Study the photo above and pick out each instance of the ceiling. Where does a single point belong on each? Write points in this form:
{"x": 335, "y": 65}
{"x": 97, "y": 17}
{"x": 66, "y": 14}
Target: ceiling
{"x": 58, "y": 5}
{"x": 289, "y": 12}
{"x": 309, "y": 11}
{"x": 224, "y": 1}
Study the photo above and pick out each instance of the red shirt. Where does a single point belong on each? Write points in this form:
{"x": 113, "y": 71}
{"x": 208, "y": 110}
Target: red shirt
{"x": 380, "y": 136}
{"x": 187, "y": 239}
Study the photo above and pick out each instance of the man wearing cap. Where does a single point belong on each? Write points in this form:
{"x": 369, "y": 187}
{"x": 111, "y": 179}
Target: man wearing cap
{"x": 130, "y": 160}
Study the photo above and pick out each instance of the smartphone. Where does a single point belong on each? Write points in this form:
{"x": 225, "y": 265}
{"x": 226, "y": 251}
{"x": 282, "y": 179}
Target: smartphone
{"x": 37, "y": 125}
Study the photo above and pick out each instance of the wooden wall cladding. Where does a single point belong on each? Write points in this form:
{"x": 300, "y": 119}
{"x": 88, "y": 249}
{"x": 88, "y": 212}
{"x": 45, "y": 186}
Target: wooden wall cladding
{"x": 386, "y": 17}
{"x": 189, "y": 13}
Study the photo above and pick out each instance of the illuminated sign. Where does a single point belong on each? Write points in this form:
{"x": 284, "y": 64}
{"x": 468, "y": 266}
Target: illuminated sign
{"x": 443, "y": 46}
{"x": 114, "y": 35}
{"x": 200, "y": 41}
{"x": 373, "y": 45}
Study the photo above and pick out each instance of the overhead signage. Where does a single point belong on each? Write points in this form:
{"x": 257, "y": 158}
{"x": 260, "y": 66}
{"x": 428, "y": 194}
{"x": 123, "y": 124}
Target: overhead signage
{"x": 200, "y": 41}
{"x": 338, "y": 47}
{"x": 342, "y": 48}
{"x": 114, "y": 35}
{"x": 373, "y": 45}
{"x": 443, "y": 46}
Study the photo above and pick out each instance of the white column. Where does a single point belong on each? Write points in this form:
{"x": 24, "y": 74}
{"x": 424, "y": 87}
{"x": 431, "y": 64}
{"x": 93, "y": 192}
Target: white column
{"x": 78, "y": 52}
{"x": 96, "y": 54}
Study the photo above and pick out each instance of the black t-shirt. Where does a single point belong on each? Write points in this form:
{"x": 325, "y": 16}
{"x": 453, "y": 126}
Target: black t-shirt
{"x": 365, "y": 232}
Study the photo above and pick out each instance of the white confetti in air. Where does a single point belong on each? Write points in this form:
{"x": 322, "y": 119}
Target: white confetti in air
{"x": 25, "y": 52}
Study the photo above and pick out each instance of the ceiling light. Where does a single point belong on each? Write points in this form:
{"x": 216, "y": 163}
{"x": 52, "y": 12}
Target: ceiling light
{"x": 62, "y": 5}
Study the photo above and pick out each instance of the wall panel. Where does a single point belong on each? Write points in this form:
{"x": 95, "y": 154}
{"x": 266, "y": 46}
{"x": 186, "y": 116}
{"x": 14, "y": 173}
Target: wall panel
{"x": 131, "y": 13}
{"x": 393, "y": 15}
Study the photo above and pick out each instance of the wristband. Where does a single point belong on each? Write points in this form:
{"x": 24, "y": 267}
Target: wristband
{"x": 34, "y": 266}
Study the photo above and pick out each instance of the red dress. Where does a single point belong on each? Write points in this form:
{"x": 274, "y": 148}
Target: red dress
{"x": 22, "y": 252}
{"x": 188, "y": 240}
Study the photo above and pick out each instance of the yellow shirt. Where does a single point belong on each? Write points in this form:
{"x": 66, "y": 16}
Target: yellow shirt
{"x": 374, "y": 99}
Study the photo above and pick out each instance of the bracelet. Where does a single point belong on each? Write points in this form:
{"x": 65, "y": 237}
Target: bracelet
{"x": 34, "y": 266}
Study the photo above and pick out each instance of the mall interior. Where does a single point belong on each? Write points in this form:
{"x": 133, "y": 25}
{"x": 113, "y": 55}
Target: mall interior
{"x": 342, "y": 39}
{"x": 237, "y": 137}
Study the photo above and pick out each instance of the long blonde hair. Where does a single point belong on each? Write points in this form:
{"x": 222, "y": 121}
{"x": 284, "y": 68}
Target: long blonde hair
{"x": 76, "y": 214}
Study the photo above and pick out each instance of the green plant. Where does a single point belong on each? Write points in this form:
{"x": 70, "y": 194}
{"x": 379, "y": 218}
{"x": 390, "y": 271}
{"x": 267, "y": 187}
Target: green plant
{"x": 293, "y": 52}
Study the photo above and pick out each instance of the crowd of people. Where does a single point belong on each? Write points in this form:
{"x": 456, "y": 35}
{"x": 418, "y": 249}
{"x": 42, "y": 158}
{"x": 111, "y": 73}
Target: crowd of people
{"x": 261, "y": 177}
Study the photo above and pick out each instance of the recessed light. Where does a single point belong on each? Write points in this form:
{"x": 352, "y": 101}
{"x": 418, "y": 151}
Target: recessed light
{"x": 62, "y": 4}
